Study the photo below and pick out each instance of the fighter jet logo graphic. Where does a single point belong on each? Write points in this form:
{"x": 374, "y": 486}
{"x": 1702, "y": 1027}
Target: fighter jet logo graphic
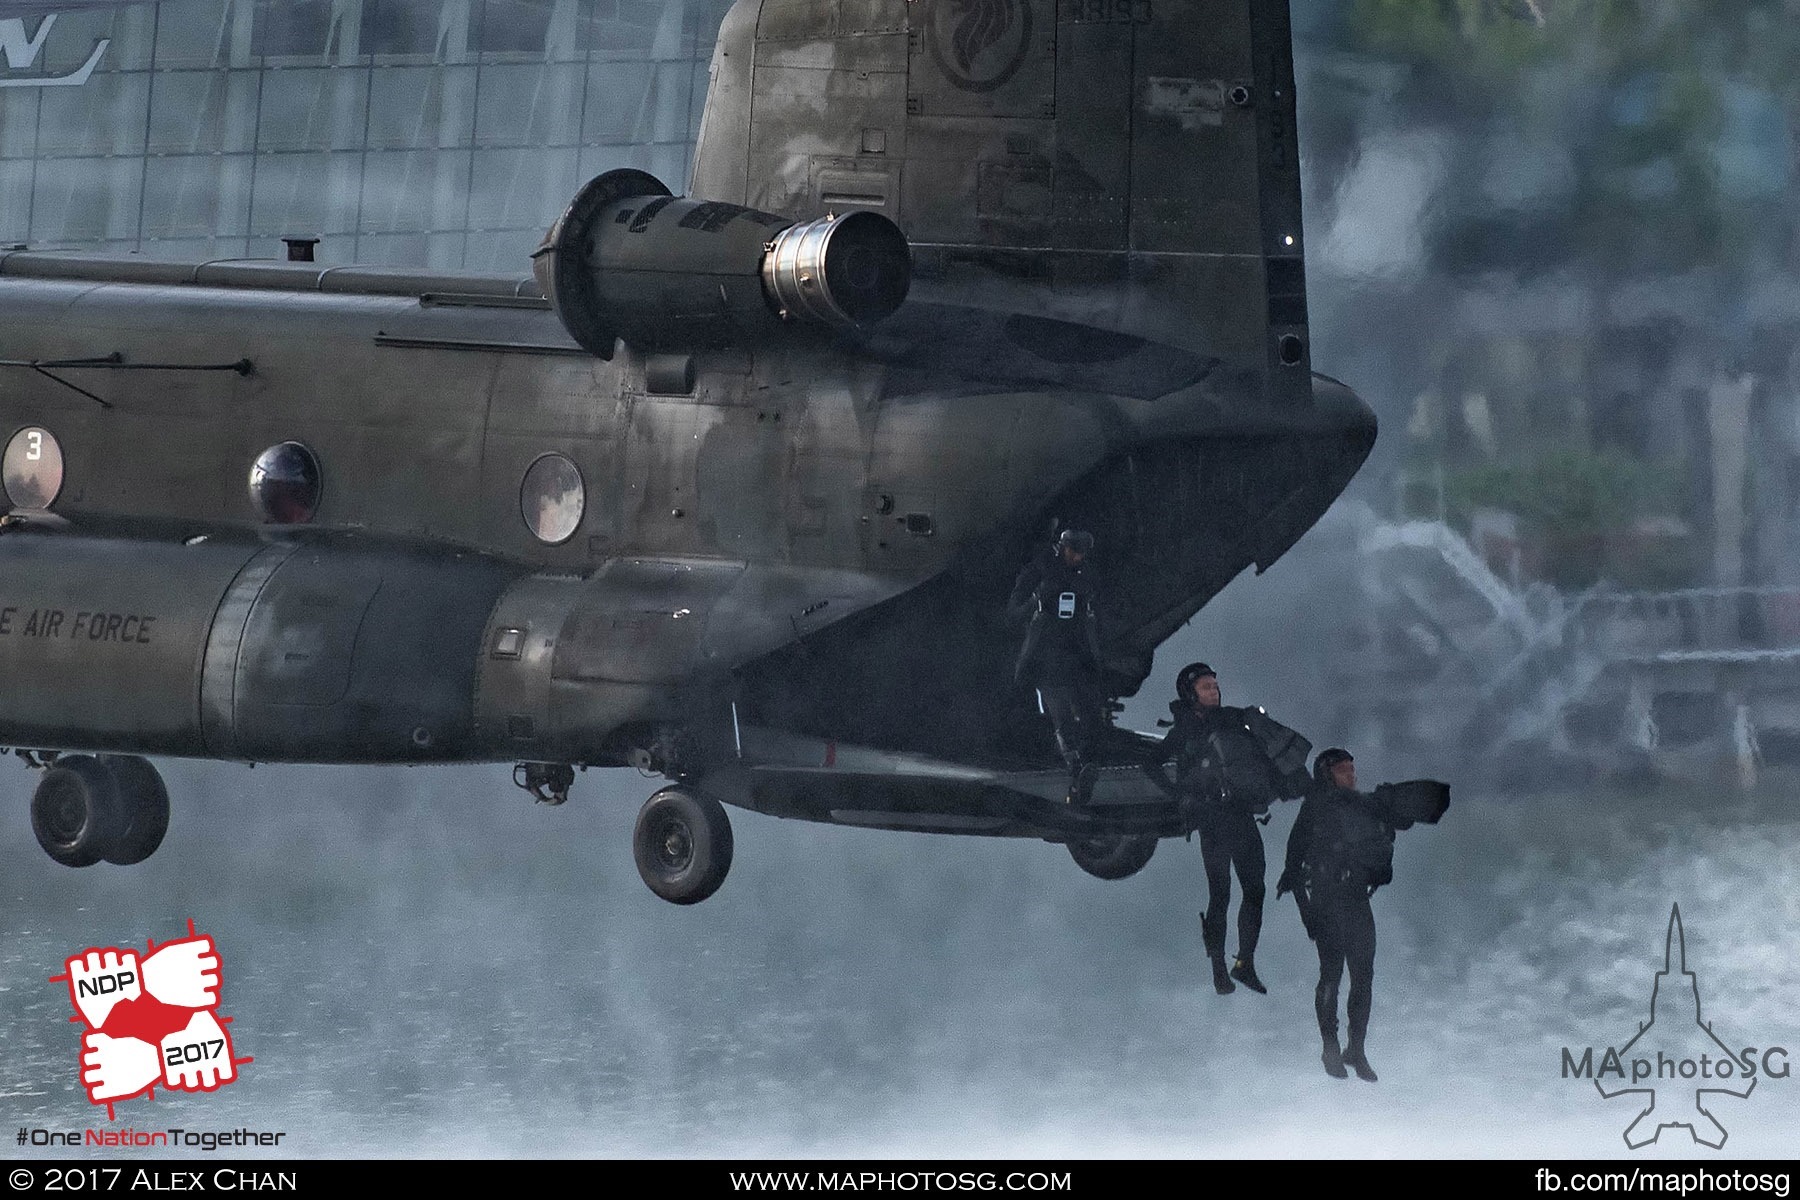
{"x": 1684, "y": 1050}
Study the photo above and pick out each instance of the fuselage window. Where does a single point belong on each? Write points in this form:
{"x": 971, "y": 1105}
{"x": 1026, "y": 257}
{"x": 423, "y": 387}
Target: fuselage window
{"x": 32, "y": 469}
{"x": 552, "y": 499}
{"x": 285, "y": 484}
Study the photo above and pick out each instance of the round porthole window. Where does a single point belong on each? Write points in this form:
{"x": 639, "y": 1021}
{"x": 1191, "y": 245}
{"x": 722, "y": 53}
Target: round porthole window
{"x": 285, "y": 484}
{"x": 552, "y": 499}
{"x": 32, "y": 470}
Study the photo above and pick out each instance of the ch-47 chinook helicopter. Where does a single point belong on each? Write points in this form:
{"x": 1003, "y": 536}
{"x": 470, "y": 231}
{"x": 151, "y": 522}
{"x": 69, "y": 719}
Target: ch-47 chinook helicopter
{"x": 730, "y": 487}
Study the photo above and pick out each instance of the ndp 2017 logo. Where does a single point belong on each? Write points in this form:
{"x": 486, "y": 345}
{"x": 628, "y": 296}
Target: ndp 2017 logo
{"x": 151, "y": 1019}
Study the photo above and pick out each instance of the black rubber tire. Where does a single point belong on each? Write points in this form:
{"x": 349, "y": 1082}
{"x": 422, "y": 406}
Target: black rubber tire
{"x": 75, "y": 811}
{"x": 143, "y": 809}
{"x": 682, "y": 845}
{"x": 1114, "y": 856}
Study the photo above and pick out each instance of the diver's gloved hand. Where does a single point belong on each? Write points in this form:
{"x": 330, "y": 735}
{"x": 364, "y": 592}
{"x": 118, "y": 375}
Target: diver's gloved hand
{"x": 1287, "y": 883}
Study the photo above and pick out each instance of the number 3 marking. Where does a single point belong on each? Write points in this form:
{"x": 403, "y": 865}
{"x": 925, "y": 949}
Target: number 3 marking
{"x": 34, "y": 446}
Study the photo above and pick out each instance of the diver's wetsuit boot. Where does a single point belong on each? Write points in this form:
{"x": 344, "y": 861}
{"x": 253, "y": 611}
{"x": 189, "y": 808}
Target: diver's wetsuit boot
{"x": 1357, "y": 1061}
{"x": 1358, "y": 1008}
{"x": 1333, "y": 1058}
{"x": 1244, "y": 971}
{"x": 1213, "y": 933}
{"x": 1325, "y": 1007}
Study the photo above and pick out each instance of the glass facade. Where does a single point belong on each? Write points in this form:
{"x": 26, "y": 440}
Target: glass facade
{"x": 407, "y": 132}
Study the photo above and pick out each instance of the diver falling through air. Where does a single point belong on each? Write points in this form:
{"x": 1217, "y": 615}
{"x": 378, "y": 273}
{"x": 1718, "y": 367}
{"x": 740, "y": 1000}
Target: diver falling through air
{"x": 1340, "y": 850}
{"x": 1230, "y": 765}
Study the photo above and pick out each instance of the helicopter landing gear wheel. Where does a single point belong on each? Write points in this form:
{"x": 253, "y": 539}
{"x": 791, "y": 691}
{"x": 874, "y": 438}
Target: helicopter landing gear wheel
{"x": 682, "y": 845}
{"x": 1113, "y": 856}
{"x": 75, "y": 811}
{"x": 143, "y": 809}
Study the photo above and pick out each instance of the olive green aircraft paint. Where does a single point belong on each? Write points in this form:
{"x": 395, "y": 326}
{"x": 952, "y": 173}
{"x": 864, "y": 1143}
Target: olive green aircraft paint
{"x": 667, "y": 489}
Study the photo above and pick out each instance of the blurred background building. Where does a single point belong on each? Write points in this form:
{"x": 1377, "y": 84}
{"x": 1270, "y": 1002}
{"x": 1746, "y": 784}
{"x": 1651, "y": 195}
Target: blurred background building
{"x": 397, "y": 131}
{"x": 1558, "y": 242}
{"x": 1563, "y": 242}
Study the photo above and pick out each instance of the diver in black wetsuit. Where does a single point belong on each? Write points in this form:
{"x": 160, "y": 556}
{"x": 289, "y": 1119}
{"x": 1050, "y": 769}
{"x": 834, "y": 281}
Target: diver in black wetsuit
{"x": 1061, "y": 654}
{"x": 1340, "y": 850}
{"x": 1230, "y": 765}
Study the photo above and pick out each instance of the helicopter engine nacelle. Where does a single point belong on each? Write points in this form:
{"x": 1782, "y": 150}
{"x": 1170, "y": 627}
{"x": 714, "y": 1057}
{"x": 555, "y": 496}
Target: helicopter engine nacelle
{"x": 629, "y": 260}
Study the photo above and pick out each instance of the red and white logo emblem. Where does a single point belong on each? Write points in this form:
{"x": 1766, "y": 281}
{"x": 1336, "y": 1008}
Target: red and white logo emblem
{"x": 150, "y": 1020}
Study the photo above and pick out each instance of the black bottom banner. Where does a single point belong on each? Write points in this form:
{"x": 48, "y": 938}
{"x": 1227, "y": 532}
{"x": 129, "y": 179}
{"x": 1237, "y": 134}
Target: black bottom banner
{"x": 795, "y": 1177}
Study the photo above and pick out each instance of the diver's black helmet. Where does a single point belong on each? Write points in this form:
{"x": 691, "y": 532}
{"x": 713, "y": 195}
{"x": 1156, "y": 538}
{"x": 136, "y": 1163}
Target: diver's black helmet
{"x": 1328, "y": 759}
{"x": 1078, "y": 540}
{"x": 1184, "y": 682}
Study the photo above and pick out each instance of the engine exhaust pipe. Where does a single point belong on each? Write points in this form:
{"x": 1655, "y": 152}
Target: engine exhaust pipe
{"x": 847, "y": 270}
{"x": 629, "y": 261}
